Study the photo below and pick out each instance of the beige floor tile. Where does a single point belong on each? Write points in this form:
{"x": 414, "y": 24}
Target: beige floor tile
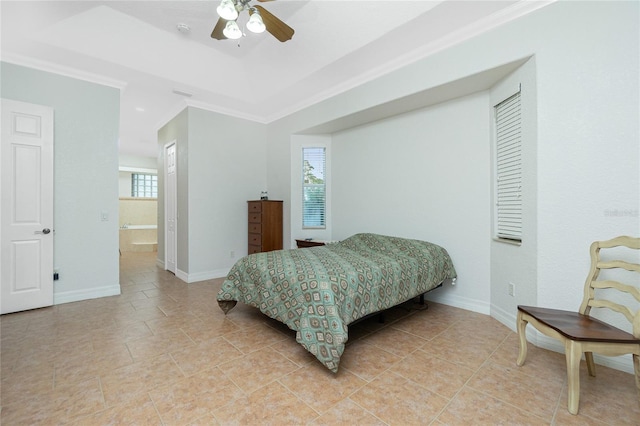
{"x": 472, "y": 407}
{"x": 467, "y": 353}
{"x": 395, "y": 341}
{"x": 195, "y": 397}
{"x": 125, "y": 383}
{"x": 610, "y": 397}
{"x": 422, "y": 326}
{"x": 320, "y": 388}
{"x": 396, "y": 400}
{"x": 164, "y": 342}
{"x": 74, "y": 364}
{"x": 58, "y": 406}
{"x": 537, "y": 395}
{"x": 367, "y": 361}
{"x": 435, "y": 374}
{"x": 92, "y": 365}
{"x": 254, "y": 337}
{"x": 271, "y": 405}
{"x": 138, "y": 411}
{"x": 204, "y": 355}
{"x": 347, "y": 412}
{"x": 207, "y": 329}
{"x": 257, "y": 369}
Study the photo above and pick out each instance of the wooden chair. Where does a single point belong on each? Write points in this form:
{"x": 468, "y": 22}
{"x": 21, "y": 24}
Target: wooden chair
{"x": 581, "y": 333}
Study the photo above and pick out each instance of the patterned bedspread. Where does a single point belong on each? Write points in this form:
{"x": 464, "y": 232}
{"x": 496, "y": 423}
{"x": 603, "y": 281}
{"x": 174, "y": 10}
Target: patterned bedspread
{"x": 319, "y": 291}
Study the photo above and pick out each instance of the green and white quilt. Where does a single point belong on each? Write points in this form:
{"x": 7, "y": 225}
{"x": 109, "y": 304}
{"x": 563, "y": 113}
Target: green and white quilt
{"x": 319, "y": 291}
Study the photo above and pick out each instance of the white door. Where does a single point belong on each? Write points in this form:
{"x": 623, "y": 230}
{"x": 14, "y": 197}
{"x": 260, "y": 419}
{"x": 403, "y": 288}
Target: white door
{"x": 171, "y": 209}
{"x": 26, "y": 211}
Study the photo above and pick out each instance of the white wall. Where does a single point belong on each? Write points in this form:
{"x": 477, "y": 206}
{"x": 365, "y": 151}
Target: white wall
{"x": 393, "y": 177}
{"x": 221, "y": 165}
{"x": 517, "y": 263}
{"x": 587, "y": 153}
{"x": 86, "y": 124}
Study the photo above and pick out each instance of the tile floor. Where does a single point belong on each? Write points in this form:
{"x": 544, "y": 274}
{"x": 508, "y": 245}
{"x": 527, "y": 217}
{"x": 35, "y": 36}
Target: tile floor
{"x": 163, "y": 353}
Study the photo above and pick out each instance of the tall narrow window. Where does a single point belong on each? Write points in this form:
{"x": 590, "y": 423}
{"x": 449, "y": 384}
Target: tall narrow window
{"x": 144, "y": 185}
{"x": 314, "y": 191}
{"x": 509, "y": 169}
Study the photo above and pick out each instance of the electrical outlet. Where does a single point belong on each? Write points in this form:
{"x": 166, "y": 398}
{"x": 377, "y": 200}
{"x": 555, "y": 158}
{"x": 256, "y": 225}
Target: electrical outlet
{"x": 512, "y": 289}
{"x": 232, "y": 254}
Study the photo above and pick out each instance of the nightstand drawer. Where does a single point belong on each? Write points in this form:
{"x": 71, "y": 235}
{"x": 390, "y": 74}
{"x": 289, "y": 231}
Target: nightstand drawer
{"x": 254, "y": 249}
{"x": 255, "y": 217}
{"x": 255, "y": 228}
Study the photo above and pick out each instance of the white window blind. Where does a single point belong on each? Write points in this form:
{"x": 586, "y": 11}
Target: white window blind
{"x": 314, "y": 193}
{"x": 509, "y": 169}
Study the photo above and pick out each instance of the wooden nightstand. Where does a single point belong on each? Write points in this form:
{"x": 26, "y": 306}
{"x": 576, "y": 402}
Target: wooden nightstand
{"x": 309, "y": 243}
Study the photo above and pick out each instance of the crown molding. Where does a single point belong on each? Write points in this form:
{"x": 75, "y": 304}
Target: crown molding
{"x": 61, "y": 70}
{"x": 481, "y": 26}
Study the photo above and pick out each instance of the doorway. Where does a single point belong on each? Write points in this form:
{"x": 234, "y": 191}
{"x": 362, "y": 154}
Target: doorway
{"x": 26, "y": 212}
{"x": 171, "y": 207}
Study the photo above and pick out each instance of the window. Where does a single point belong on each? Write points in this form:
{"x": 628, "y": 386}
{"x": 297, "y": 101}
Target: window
{"x": 508, "y": 185}
{"x": 314, "y": 191}
{"x": 144, "y": 185}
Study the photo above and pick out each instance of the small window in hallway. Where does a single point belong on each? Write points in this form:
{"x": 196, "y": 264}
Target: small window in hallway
{"x": 144, "y": 185}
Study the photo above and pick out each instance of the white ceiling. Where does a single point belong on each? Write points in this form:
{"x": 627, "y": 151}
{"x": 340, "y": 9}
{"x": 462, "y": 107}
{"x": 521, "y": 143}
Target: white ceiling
{"x": 136, "y": 46}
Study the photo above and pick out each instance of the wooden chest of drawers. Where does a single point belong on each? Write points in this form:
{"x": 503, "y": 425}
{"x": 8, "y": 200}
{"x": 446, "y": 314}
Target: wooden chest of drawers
{"x": 265, "y": 225}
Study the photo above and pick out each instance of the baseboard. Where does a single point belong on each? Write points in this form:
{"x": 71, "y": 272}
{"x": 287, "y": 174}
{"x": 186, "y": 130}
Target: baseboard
{"x": 508, "y": 319}
{"x": 160, "y": 263}
{"x": 208, "y": 275}
{"x": 458, "y": 302}
{"x": 182, "y": 275}
{"x": 85, "y": 294}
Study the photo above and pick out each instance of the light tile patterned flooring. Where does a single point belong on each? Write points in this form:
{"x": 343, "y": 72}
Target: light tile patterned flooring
{"x": 163, "y": 353}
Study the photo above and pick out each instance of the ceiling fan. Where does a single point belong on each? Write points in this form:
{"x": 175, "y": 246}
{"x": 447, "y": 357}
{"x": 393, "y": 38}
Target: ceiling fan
{"x": 260, "y": 20}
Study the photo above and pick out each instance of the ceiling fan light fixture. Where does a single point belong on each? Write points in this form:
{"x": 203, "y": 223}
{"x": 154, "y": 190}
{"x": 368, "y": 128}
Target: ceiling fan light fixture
{"x": 232, "y": 31}
{"x": 255, "y": 23}
{"x": 227, "y": 10}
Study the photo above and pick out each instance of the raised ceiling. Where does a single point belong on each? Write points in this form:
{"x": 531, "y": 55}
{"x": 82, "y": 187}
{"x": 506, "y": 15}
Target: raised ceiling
{"x": 135, "y": 45}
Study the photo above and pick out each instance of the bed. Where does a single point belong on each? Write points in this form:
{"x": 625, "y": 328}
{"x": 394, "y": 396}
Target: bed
{"x": 319, "y": 291}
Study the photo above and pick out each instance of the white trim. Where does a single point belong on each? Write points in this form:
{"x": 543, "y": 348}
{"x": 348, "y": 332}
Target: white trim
{"x": 137, "y": 170}
{"x": 216, "y": 108}
{"x": 489, "y": 23}
{"x": 206, "y": 275}
{"x": 61, "y": 70}
{"x": 182, "y": 275}
{"x": 85, "y": 294}
{"x": 506, "y": 318}
{"x": 465, "y": 303}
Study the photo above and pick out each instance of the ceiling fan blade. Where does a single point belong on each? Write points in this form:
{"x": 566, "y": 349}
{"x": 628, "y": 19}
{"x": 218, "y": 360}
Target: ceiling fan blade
{"x": 217, "y": 30}
{"x": 274, "y": 25}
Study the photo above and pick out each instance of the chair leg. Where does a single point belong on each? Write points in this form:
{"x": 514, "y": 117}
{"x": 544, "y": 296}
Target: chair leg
{"x": 522, "y": 335}
{"x": 591, "y": 366}
{"x": 636, "y": 368}
{"x": 573, "y": 353}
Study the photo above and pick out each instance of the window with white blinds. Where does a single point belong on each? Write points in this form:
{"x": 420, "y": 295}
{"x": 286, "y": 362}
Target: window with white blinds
{"x": 314, "y": 191}
{"x": 508, "y": 185}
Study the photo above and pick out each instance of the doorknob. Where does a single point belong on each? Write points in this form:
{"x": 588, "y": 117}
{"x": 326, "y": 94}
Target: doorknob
{"x": 44, "y": 231}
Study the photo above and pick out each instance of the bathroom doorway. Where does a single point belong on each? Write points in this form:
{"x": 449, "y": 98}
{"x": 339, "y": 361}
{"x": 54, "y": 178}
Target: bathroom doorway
{"x": 138, "y": 200}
